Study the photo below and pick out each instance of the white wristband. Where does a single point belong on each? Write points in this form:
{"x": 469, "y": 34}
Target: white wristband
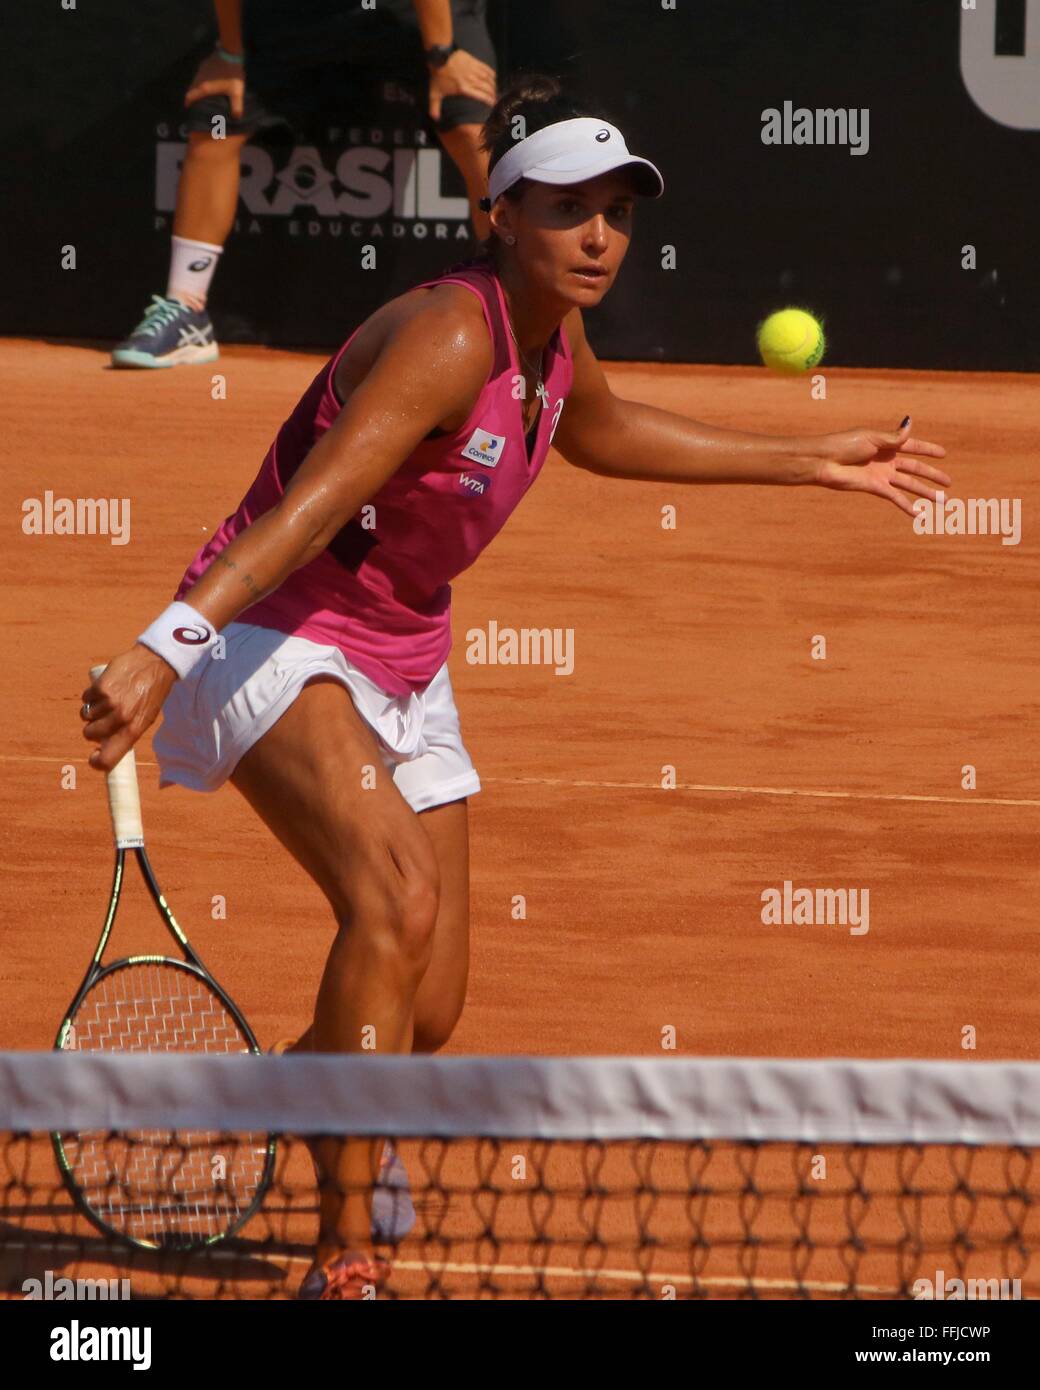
{"x": 181, "y": 636}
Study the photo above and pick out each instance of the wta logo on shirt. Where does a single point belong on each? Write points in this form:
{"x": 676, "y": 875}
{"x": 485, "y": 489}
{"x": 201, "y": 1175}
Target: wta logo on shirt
{"x": 485, "y": 447}
{"x": 474, "y": 484}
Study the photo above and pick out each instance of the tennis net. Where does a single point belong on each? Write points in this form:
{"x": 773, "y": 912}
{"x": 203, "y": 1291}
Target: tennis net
{"x": 530, "y": 1177}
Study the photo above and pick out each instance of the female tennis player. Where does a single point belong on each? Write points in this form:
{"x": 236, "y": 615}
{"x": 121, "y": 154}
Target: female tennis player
{"x": 331, "y": 709}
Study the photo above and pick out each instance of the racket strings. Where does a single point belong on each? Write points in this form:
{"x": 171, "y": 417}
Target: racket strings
{"x": 154, "y": 1008}
{"x": 161, "y": 1186}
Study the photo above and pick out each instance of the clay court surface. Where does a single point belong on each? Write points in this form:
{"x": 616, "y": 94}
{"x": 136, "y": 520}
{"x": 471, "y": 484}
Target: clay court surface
{"x": 692, "y": 650}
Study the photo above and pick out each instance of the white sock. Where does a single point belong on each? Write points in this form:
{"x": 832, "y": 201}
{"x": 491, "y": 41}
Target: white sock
{"x": 192, "y": 266}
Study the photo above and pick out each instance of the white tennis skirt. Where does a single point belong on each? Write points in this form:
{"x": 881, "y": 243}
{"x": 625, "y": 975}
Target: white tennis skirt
{"x": 216, "y": 713}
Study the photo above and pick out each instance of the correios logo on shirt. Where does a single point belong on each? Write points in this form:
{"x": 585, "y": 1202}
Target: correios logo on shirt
{"x": 485, "y": 447}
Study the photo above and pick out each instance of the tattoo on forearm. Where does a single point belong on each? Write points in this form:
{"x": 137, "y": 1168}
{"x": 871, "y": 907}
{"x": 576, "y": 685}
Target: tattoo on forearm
{"x": 247, "y": 579}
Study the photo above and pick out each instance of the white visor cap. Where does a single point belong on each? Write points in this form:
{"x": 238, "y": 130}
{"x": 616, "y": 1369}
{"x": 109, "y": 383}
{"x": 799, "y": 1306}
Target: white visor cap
{"x": 570, "y": 152}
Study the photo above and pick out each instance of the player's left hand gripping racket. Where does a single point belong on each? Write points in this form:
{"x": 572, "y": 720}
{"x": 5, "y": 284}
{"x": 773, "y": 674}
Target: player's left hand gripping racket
{"x": 157, "y": 1188}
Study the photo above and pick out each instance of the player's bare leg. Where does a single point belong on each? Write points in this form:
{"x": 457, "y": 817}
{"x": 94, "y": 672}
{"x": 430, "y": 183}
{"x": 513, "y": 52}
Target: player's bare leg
{"x": 442, "y": 992}
{"x": 374, "y": 861}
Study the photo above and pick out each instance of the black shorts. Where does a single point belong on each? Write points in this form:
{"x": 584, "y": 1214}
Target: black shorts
{"x": 309, "y": 62}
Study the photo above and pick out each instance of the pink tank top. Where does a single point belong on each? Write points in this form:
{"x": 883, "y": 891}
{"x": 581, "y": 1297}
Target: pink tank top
{"x": 382, "y": 593}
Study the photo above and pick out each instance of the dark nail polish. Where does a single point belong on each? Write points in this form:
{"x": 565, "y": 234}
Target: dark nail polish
{"x": 905, "y": 423}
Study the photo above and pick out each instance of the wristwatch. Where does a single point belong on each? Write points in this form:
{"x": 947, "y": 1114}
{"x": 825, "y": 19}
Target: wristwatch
{"x": 439, "y": 54}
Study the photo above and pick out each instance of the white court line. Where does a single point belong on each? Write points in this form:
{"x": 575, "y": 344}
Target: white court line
{"x": 633, "y": 1276}
{"x": 773, "y": 791}
{"x": 630, "y": 1276}
{"x": 679, "y": 786}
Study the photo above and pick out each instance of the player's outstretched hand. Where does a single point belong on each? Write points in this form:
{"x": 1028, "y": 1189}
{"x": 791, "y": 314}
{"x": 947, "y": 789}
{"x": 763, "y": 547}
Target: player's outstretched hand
{"x": 881, "y": 463}
{"x": 123, "y": 702}
{"x": 462, "y": 75}
{"x": 217, "y": 78}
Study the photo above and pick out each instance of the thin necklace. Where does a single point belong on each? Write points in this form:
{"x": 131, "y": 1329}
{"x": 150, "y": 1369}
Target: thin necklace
{"x": 539, "y": 390}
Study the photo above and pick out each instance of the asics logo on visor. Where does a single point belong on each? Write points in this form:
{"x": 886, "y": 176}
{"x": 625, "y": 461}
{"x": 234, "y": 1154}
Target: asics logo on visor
{"x": 603, "y": 135}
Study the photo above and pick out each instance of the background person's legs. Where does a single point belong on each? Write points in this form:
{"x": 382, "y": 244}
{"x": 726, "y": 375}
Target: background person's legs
{"x": 462, "y": 117}
{"x": 287, "y": 55}
{"x": 176, "y": 328}
{"x": 462, "y": 142}
{"x": 207, "y": 198}
{"x": 386, "y": 45}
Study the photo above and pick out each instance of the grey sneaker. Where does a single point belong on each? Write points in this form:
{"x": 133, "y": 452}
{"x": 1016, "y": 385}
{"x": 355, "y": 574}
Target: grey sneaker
{"x": 169, "y": 335}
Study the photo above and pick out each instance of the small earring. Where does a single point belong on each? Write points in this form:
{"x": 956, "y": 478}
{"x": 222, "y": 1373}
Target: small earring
{"x": 511, "y": 240}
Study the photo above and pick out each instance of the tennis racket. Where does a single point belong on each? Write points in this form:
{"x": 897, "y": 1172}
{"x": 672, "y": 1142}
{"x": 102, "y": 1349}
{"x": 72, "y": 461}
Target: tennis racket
{"x": 157, "y": 1188}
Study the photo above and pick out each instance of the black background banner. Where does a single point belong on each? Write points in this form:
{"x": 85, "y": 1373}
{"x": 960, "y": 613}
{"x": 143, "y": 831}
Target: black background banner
{"x": 873, "y": 243}
{"x": 276, "y": 1343}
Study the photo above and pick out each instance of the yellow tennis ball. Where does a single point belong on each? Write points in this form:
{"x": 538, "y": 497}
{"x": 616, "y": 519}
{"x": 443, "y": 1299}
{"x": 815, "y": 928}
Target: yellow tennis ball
{"x": 790, "y": 341}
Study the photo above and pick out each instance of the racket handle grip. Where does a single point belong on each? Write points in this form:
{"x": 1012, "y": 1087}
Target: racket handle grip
{"x": 124, "y": 799}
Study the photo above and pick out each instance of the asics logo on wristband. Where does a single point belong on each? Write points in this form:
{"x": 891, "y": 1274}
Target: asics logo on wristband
{"x": 181, "y": 636}
{"x": 191, "y": 636}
